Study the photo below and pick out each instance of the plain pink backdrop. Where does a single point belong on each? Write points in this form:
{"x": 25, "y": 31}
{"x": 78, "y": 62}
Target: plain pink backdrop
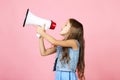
{"x": 19, "y": 50}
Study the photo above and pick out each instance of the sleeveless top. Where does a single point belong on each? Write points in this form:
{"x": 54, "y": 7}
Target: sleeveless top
{"x": 72, "y": 64}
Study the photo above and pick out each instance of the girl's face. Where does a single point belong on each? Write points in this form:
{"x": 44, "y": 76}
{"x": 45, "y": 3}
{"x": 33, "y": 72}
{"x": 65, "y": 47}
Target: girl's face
{"x": 65, "y": 29}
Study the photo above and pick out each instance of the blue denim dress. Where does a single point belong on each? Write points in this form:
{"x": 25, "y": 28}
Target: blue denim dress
{"x": 66, "y": 71}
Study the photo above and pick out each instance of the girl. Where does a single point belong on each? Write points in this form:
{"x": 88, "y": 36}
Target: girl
{"x": 70, "y": 50}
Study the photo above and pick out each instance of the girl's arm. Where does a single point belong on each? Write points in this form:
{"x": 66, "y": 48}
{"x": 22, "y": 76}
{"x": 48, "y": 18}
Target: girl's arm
{"x": 43, "y": 51}
{"x": 67, "y": 43}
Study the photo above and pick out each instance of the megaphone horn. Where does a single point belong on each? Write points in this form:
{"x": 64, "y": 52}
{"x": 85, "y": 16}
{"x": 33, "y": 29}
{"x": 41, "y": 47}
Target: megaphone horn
{"x": 35, "y": 20}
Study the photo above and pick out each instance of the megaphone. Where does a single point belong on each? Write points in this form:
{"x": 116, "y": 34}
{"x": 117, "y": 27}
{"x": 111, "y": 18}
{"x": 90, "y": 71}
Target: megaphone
{"x": 31, "y": 19}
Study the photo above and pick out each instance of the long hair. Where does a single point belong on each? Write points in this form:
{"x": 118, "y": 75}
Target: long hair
{"x": 76, "y": 32}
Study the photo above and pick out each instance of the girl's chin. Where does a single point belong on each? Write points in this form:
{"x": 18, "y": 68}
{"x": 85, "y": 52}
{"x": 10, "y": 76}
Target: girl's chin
{"x": 62, "y": 33}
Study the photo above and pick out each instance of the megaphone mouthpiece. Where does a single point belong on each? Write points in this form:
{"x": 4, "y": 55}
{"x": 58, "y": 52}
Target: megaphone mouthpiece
{"x": 53, "y": 25}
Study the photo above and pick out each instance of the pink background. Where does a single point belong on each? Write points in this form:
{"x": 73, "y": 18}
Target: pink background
{"x": 19, "y": 50}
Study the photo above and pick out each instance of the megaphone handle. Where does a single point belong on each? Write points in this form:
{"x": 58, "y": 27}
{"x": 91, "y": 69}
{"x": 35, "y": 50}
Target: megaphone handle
{"x": 38, "y": 35}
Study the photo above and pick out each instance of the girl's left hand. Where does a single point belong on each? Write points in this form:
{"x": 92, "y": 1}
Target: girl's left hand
{"x": 40, "y": 29}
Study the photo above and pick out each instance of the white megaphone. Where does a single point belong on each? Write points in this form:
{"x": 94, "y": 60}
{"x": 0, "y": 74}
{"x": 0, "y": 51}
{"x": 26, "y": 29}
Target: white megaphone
{"x": 31, "y": 19}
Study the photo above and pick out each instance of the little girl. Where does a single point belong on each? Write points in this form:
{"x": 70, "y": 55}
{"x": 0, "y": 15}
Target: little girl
{"x": 70, "y": 50}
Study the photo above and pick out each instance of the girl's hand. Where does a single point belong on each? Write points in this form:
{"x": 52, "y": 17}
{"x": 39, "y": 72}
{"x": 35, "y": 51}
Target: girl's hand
{"x": 40, "y": 29}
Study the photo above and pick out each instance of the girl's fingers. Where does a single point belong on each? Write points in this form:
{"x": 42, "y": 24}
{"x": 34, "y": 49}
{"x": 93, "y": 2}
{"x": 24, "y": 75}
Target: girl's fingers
{"x": 40, "y": 28}
{"x": 43, "y": 27}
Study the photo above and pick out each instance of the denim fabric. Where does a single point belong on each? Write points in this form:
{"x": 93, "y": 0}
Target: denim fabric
{"x": 71, "y": 66}
{"x": 65, "y": 75}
